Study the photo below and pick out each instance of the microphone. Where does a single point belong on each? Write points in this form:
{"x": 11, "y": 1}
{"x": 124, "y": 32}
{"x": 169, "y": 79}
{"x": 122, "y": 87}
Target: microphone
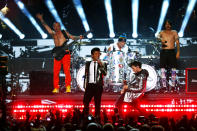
{"x": 163, "y": 45}
{"x": 129, "y": 50}
{"x": 105, "y": 50}
{"x": 114, "y": 49}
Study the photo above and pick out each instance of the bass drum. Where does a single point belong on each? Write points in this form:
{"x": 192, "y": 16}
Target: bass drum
{"x": 81, "y": 76}
{"x": 116, "y": 68}
{"x": 152, "y": 78}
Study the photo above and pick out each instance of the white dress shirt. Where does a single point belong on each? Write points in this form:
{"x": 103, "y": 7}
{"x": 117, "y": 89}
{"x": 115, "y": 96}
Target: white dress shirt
{"x": 92, "y": 72}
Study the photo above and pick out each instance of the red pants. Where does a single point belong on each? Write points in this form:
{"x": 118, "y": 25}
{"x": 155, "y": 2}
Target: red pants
{"x": 56, "y": 70}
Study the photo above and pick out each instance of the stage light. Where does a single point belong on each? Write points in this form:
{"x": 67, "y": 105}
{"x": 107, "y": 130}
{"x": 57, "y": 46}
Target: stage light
{"x": 111, "y": 35}
{"x": 81, "y": 14}
{"x": 31, "y": 19}
{"x": 163, "y": 13}
{"x": 108, "y": 110}
{"x": 125, "y": 106}
{"x": 22, "y": 36}
{"x": 134, "y": 35}
{"x": 5, "y": 10}
{"x": 135, "y": 9}
{"x": 90, "y": 35}
{"x": 53, "y": 11}
{"x": 189, "y": 10}
{"x": 10, "y": 25}
{"x": 108, "y": 9}
{"x": 1, "y": 36}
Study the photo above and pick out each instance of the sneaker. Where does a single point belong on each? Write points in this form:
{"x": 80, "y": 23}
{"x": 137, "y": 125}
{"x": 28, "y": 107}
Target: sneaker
{"x": 68, "y": 90}
{"x": 56, "y": 90}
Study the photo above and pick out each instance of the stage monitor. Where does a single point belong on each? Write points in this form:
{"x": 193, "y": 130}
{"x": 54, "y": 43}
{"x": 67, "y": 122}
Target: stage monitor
{"x": 41, "y": 83}
{"x": 191, "y": 80}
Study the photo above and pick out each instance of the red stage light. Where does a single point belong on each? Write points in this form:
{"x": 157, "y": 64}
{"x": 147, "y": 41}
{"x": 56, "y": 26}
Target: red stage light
{"x": 125, "y": 106}
{"x": 108, "y": 110}
{"x": 19, "y": 110}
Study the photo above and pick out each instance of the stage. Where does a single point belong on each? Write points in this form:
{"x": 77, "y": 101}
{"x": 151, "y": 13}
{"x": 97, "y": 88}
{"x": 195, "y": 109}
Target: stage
{"x": 107, "y": 98}
{"x": 157, "y": 103}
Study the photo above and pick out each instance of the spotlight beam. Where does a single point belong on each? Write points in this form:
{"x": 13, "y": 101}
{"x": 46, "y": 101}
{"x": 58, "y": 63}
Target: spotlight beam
{"x": 135, "y": 9}
{"x": 11, "y": 26}
{"x": 163, "y": 13}
{"x": 53, "y": 11}
{"x": 108, "y": 9}
{"x": 81, "y": 14}
{"x": 31, "y": 19}
{"x": 190, "y": 8}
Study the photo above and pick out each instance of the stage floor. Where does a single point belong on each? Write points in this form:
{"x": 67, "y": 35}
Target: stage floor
{"x": 161, "y": 104}
{"x": 107, "y": 98}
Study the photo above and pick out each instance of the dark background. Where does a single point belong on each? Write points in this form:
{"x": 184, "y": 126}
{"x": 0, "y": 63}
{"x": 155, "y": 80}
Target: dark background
{"x": 149, "y": 13}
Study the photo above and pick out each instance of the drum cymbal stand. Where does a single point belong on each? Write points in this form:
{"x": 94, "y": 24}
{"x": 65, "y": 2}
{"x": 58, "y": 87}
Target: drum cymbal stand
{"x": 156, "y": 47}
{"x": 73, "y": 67}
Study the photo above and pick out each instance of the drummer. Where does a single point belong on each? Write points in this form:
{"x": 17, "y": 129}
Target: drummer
{"x": 120, "y": 45}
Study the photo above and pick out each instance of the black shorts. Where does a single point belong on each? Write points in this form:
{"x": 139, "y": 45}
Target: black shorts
{"x": 168, "y": 58}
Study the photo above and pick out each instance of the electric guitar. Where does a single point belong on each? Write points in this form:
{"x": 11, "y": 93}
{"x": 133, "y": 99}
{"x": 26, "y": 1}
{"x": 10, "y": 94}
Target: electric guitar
{"x": 59, "y": 51}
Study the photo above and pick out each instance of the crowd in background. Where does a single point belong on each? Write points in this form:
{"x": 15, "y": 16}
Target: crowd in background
{"x": 76, "y": 122}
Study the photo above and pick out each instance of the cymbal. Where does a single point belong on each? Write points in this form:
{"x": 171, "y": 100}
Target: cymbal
{"x": 84, "y": 43}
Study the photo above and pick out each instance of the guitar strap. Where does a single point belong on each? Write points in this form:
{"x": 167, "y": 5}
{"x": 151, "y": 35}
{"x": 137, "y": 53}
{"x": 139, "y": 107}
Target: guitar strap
{"x": 65, "y": 35}
{"x": 67, "y": 39}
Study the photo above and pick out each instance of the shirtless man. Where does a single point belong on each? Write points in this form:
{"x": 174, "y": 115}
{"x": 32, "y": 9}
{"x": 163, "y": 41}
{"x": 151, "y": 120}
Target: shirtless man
{"x": 59, "y": 40}
{"x": 168, "y": 55}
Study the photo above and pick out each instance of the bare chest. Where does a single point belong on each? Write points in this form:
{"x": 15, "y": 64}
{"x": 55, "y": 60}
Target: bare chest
{"x": 59, "y": 39}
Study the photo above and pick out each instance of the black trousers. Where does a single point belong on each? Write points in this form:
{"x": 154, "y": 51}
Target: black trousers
{"x": 168, "y": 58}
{"x": 92, "y": 90}
{"x": 120, "y": 102}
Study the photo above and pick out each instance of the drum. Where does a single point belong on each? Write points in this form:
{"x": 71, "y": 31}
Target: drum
{"x": 81, "y": 76}
{"x": 88, "y": 58}
{"x": 152, "y": 78}
{"x": 103, "y": 56}
{"x": 24, "y": 83}
{"x": 116, "y": 68}
{"x": 131, "y": 56}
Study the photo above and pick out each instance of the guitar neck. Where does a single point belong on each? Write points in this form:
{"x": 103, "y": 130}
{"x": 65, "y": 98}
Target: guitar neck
{"x": 66, "y": 46}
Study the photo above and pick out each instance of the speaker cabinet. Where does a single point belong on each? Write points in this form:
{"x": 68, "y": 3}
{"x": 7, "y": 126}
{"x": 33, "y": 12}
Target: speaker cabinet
{"x": 41, "y": 83}
{"x": 191, "y": 80}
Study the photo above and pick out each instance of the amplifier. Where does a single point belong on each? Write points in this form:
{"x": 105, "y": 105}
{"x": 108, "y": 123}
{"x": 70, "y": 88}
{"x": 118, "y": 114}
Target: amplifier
{"x": 191, "y": 80}
{"x": 41, "y": 83}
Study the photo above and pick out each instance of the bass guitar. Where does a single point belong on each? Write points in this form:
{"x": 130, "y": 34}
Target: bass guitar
{"x": 59, "y": 51}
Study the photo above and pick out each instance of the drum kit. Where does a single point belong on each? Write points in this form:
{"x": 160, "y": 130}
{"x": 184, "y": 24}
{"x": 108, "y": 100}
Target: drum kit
{"x": 118, "y": 70}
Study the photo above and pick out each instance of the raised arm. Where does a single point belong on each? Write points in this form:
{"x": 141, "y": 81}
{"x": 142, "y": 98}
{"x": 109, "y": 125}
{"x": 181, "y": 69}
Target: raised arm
{"x": 74, "y": 37}
{"x": 40, "y": 17}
